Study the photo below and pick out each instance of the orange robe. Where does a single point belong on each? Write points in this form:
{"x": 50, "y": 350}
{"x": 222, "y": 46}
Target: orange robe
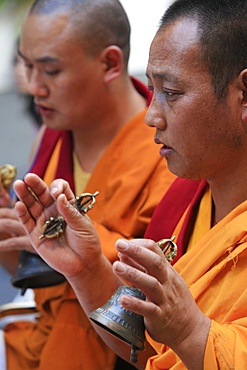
{"x": 215, "y": 271}
{"x": 131, "y": 178}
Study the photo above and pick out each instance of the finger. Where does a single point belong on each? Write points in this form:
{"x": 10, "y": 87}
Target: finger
{"x": 4, "y": 199}
{"x": 150, "y": 286}
{"x": 7, "y": 213}
{"x": 34, "y": 193}
{"x": 12, "y": 227}
{"x": 60, "y": 186}
{"x": 71, "y": 215}
{"x": 130, "y": 262}
{"x": 147, "y": 254}
{"x": 142, "y": 307}
{"x": 38, "y": 188}
{"x": 16, "y": 243}
{"x": 24, "y": 216}
{"x": 28, "y": 197}
{"x": 78, "y": 224}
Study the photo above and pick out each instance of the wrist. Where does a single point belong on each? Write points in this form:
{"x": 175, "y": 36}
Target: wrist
{"x": 95, "y": 284}
{"x": 191, "y": 349}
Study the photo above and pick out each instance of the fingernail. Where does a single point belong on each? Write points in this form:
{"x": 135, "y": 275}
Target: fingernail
{"x": 119, "y": 267}
{"x": 64, "y": 200}
{"x": 125, "y": 300}
{"x": 122, "y": 245}
{"x": 54, "y": 190}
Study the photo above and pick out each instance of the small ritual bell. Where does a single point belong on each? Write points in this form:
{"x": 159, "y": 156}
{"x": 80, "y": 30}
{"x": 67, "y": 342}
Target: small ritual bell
{"x": 124, "y": 324}
{"x": 33, "y": 272}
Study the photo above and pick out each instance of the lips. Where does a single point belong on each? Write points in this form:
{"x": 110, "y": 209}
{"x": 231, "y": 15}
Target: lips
{"x": 44, "y": 111}
{"x": 166, "y": 147}
{"x": 165, "y": 150}
{"x": 159, "y": 142}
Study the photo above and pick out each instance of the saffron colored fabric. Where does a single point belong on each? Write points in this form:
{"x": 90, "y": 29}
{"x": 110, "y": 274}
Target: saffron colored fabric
{"x": 131, "y": 178}
{"x": 215, "y": 271}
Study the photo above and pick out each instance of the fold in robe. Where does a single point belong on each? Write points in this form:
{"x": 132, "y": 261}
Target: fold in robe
{"x": 131, "y": 178}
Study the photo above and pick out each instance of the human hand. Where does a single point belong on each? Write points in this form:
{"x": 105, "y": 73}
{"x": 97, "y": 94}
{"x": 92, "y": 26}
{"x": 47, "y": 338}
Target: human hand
{"x": 170, "y": 313}
{"x": 13, "y": 235}
{"x": 78, "y": 246}
{"x": 4, "y": 196}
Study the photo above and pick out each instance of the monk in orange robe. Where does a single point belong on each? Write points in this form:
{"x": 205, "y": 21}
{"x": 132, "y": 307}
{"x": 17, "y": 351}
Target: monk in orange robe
{"x": 227, "y": 240}
{"x": 96, "y": 139}
{"x": 195, "y": 311}
{"x": 123, "y": 209}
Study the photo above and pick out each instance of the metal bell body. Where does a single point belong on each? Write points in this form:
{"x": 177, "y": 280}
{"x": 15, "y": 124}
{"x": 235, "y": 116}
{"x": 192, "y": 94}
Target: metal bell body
{"x": 124, "y": 324}
{"x": 33, "y": 272}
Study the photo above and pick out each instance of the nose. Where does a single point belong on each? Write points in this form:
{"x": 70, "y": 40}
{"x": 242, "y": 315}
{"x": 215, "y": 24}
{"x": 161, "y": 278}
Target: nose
{"x": 36, "y": 85}
{"x": 155, "y": 115}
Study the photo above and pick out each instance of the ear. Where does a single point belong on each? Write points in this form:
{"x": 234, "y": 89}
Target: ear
{"x": 112, "y": 58}
{"x": 242, "y": 79}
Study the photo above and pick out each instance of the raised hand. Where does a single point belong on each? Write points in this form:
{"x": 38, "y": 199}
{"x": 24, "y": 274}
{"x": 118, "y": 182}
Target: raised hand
{"x": 16, "y": 237}
{"x": 170, "y": 313}
{"x": 77, "y": 246}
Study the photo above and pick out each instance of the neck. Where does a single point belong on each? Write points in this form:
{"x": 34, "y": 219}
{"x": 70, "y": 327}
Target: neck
{"x": 91, "y": 140}
{"x": 227, "y": 197}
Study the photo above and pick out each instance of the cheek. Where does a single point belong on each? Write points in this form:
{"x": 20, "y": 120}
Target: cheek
{"x": 192, "y": 135}
{"x": 69, "y": 97}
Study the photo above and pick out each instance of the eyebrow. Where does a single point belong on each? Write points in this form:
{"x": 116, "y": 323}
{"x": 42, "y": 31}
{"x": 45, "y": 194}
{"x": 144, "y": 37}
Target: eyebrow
{"x": 45, "y": 59}
{"x": 163, "y": 76}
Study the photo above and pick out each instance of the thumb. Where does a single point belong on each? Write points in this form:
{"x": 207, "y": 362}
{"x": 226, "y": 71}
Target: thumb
{"x": 69, "y": 212}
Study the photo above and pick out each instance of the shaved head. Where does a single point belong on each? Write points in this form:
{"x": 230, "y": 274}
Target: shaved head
{"x": 222, "y": 34}
{"x": 96, "y": 23}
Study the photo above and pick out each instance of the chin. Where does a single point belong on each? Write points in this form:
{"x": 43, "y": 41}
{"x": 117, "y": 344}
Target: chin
{"x": 53, "y": 124}
{"x": 184, "y": 173}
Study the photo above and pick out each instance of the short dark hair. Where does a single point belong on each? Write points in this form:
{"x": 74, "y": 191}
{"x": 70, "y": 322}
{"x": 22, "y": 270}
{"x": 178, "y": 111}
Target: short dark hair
{"x": 222, "y": 27}
{"x": 98, "y": 23}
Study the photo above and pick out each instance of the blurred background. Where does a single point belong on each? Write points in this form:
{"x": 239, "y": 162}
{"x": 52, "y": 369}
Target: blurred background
{"x": 17, "y": 126}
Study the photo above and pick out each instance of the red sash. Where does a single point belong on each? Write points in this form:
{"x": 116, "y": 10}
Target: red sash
{"x": 181, "y": 194}
{"x": 50, "y": 138}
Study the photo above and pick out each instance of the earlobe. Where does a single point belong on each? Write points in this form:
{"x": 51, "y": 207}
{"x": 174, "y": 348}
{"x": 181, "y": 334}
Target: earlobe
{"x": 244, "y": 96}
{"x": 243, "y": 86}
{"x": 244, "y": 110}
{"x": 112, "y": 58}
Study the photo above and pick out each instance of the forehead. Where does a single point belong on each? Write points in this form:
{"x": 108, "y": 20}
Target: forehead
{"x": 175, "y": 50}
{"x": 49, "y": 34}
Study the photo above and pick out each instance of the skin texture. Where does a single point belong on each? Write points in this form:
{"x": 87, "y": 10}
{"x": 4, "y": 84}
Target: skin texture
{"x": 59, "y": 81}
{"x": 83, "y": 267}
{"x": 9, "y": 259}
{"x": 184, "y": 102}
{"x": 4, "y": 195}
{"x": 66, "y": 90}
{"x": 190, "y": 123}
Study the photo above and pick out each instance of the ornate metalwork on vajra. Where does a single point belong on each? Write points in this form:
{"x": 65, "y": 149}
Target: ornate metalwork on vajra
{"x": 54, "y": 227}
{"x": 7, "y": 175}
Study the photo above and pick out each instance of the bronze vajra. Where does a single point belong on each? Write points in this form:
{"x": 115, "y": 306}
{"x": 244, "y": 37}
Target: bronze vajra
{"x": 168, "y": 247}
{"x": 54, "y": 227}
{"x": 7, "y": 175}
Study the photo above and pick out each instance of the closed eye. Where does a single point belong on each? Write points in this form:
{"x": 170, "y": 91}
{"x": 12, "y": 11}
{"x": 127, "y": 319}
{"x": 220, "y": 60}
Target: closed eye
{"x": 52, "y": 73}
